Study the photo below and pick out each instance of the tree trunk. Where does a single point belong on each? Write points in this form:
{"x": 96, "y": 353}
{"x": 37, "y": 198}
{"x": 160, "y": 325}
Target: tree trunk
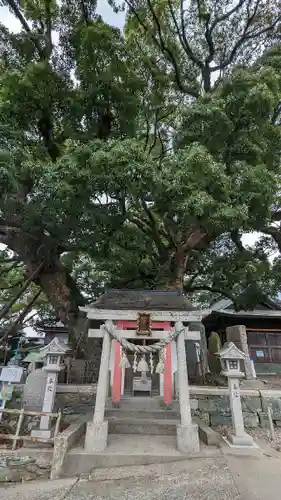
{"x": 196, "y": 238}
{"x": 54, "y": 279}
{"x": 178, "y": 264}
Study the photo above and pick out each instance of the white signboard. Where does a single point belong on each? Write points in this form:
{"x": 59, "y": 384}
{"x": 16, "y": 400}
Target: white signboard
{"x": 11, "y": 374}
{"x": 260, "y": 354}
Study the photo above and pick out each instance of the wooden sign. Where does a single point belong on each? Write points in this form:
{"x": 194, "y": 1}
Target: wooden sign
{"x": 144, "y": 324}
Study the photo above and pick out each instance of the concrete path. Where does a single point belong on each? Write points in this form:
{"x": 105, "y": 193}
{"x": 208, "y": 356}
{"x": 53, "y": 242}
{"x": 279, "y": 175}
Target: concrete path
{"x": 227, "y": 477}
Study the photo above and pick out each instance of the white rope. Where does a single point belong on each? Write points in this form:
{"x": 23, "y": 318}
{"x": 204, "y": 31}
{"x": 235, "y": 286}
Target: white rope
{"x": 142, "y": 349}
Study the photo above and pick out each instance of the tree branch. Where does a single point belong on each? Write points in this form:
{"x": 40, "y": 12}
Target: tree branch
{"x": 168, "y": 231}
{"x": 246, "y": 36}
{"x": 140, "y": 224}
{"x": 46, "y": 129}
{"x": 237, "y": 240}
{"x": 21, "y": 316}
{"x": 202, "y": 288}
{"x": 276, "y": 113}
{"x": 195, "y": 237}
{"x": 147, "y": 133}
{"x": 182, "y": 35}
{"x": 163, "y": 47}
{"x": 24, "y": 287}
{"x": 225, "y": 16}
{"x": 155, "y": 136}
{"x": 154, "y": 232}
{"x": 48, "y": 28}
{"x": 276, "y": 216}
{"x": 16, "y": 10}
{"x": 274, "y": 233}
{"x": 85, "y": 12}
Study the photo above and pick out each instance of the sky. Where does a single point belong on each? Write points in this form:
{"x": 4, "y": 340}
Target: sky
{"x": 103, "y": 9}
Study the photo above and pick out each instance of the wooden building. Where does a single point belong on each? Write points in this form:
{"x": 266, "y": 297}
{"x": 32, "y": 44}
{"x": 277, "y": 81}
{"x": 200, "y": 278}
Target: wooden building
{"x": 53, "y": 329}
{"x": 263, "y": 326}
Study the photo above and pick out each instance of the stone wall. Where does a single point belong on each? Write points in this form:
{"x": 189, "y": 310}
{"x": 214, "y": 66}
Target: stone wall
{"x": 270, "y": 368}
{"x": 212, "y": 406}
{"x": 72, "y": 399}
{"x": 23, "y": 468}
{"x": 64, "y": 441}
{"x": 76, "y": 399}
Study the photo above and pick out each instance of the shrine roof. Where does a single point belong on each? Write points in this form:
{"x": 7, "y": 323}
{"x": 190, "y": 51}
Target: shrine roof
{"x": 54, "y": 347}
{"x": 141, "y": 300}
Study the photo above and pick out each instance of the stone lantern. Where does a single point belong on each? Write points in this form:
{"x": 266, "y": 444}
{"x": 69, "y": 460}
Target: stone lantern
{"x": 53, "y": 354}
{"x": 231, "y": 357}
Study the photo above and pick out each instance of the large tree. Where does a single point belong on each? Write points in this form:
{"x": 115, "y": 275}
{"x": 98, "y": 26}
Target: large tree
{"x": 65, "y": 80}
{"x": 124, "y": 161}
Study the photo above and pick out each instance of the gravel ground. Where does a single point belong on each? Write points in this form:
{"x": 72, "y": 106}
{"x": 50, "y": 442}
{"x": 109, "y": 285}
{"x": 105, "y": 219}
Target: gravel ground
{"x": 207, "y": 479}
{"x": 228, "y": 477}
{"x": 258, "y": 434}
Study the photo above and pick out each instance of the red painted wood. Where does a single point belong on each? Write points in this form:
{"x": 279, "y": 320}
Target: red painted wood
{"x": 117, "y": 372}
{"x": 168, "y": 390}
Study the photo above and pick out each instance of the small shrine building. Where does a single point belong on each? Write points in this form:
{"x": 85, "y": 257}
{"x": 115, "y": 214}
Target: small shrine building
{"x": 143, "y": 353}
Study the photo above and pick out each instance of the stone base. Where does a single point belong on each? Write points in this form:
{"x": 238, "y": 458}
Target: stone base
{"x": 96, "y": 436}
{"x": 41, "y": 433}
{"x": 188, "y": 438}
{"x": 240, "y": 441}
{"x": 116, "y": 404}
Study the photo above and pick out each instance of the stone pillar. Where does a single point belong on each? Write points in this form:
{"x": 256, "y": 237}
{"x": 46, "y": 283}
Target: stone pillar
{"x": 49, "y": 399}
{"x": 199, "y": 327}
{"x": 187, "y": 432}
{"x": 45, "y": 430}
{"x": 97, "y": 430}
{"x": 53, "y": 353}
{"x": 238, "y": 335}
{"x": 240, "y": 437}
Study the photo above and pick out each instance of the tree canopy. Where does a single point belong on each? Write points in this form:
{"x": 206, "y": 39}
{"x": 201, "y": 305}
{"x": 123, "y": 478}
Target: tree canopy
{"x": 139, "y": 159}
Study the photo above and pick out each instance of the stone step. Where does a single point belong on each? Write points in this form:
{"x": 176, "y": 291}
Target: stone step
{"x": 142, "y": 403}
{"x": 129, "y": 425}
{"x": 128, "y": 450}
{"x": 123, "y": 449}
{"x": 142, "y": 414}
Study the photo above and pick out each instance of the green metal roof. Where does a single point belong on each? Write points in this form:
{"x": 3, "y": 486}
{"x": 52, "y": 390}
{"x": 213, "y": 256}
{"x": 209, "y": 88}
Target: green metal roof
{"x": 34, "y": 357}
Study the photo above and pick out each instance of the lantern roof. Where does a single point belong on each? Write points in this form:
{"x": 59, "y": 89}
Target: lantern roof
{"x": 231, "y": 351}
{"x": 54, "y": 347}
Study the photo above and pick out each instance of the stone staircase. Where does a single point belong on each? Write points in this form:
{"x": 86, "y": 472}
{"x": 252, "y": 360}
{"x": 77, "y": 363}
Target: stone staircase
{"x": 141, "y": 431}
{"x": 142, "y": 415}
